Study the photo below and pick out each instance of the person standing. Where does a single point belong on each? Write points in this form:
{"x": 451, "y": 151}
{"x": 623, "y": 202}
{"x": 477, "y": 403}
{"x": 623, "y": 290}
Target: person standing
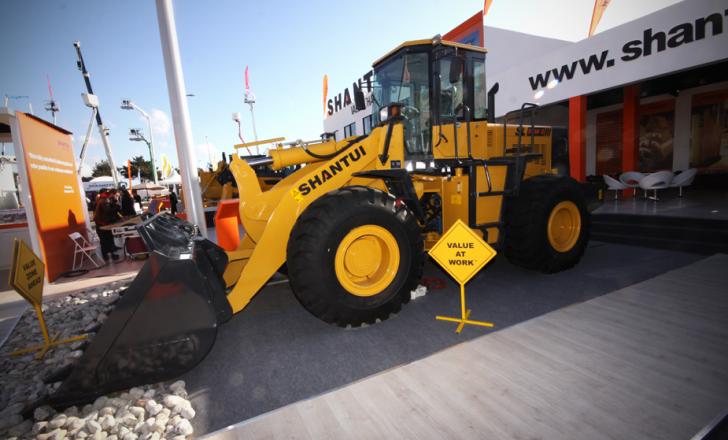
{"x": 173, "y": 202}
{"x": 137, "y": 198}
{"x": 127, "y": 203}
{"x": 103, "y": 216}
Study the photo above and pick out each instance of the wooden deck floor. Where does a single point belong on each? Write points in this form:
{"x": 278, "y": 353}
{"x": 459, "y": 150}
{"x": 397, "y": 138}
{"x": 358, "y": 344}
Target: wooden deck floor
{"x": 648, "y": 361}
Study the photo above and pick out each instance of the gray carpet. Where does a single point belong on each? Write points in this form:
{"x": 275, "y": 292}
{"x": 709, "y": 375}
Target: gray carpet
{"x": 275, "y": 353}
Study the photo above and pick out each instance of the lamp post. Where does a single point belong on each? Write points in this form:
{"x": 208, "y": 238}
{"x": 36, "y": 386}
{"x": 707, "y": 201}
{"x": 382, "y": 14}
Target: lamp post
{"x": 129, "y": 105}
{"x": 136, "y": 135}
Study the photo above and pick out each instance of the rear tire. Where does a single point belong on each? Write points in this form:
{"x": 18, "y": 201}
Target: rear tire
{"x": 325, "y": 268}
{"x": 547, "y": 225}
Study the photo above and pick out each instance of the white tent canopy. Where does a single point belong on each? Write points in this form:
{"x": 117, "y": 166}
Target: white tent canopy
{"x": 101, "y": 182}
{"x": 174, "y": 179}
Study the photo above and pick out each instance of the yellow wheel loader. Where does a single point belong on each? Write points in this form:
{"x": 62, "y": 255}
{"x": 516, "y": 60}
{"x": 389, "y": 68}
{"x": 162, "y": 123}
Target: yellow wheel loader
{"x": 350, "y": 222}
{"x": 352, "y": 225}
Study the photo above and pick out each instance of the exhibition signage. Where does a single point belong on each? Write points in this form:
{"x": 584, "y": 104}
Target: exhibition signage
{"x": 26, "y": 277}
{"x": 462, "y": 253}
{"x": 681, "y": 36}
{"x": 48, "y": 162}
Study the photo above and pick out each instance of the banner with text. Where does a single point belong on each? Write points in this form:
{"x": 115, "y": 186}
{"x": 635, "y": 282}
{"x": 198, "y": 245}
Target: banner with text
{"x": 54, "y": 191}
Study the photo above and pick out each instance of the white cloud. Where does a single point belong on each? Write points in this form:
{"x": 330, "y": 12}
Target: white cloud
{"x": 86, "y": 170}
{"x": 206, "y": 153}
{"x": 160, "y": 122}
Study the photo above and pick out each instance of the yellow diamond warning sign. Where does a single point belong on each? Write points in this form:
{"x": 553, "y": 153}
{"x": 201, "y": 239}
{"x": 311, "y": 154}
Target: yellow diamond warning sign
{"x": 461, "y": 252}
{"x": 27, "y": 272}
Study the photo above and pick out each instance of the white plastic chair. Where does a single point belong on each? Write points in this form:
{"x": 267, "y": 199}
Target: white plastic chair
{"x": 655, "y": 181}
{"x": 632, "y": 179}
{"x": 84, "y": 249}
{"x": 684, "y": 179}
{"x": 614, "y": 185}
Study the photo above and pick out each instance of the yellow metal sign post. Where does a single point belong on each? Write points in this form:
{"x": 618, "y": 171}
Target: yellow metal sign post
{"x": 462, "y": 253}
{"x": 26, "y": 277}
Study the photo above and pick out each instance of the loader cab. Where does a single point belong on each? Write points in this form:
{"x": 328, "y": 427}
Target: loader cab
{"x": 436, "y": 84}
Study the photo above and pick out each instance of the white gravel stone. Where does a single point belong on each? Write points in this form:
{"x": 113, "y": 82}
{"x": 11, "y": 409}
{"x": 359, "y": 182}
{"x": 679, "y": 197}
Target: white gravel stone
{"x": 137, "y": 411}
{"x": 73, "y": 423}
{"x": 184, "y": 427}
{"x": 127, "y": 419}
{"x": 58, "y": 421}
{"x": 178, "y": 386}
{"x": 107, "y": 422}
{"x": 39, "y": 427}
{"x": 136, "y": 393}
{"x": 187, "y": 412}
{"x": 153, "y": 408}
{"x": 99, "y": 435}
{"x": 92, "y": 426}
{"x": 56, "y": 434}
{"x": 150, "y": 412}
{"x": 93, "y": 415}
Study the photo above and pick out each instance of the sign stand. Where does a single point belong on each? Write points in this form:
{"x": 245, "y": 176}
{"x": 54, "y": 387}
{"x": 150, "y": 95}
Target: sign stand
{"x": 462, "y": 254}
{"x": 26, "y": 277}
{"x": 464, "y": 315}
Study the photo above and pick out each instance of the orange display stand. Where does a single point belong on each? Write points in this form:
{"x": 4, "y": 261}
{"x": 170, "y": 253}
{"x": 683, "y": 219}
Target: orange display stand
{"x": 227, "y": 219}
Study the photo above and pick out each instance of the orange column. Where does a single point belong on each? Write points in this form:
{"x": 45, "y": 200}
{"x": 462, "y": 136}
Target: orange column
{"x": 630, "y": 130}
{"x": 577, "y": 137}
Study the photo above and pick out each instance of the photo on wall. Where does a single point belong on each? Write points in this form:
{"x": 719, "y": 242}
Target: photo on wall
{"x": 709, "y": 132}
{"x": 657, "y": 122}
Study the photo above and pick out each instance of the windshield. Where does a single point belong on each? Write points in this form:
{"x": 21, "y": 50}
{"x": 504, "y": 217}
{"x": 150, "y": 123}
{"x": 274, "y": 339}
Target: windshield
{"x": 404, "y": 80}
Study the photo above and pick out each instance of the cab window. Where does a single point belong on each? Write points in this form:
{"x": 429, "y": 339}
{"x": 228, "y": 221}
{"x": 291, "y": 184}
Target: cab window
{"x": 479, "y": 107}
{"x": 451, "y": 87}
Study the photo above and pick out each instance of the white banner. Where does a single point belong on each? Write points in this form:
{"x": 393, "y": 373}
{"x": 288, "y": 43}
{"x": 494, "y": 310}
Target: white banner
{"x": 682, "y": 36}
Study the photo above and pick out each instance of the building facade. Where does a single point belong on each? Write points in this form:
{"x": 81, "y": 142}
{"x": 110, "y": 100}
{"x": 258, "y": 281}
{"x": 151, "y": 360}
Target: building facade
{"x": 647, "y": 95}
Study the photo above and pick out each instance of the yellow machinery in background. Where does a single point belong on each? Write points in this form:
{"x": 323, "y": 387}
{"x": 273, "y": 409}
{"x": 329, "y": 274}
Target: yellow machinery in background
{"x": 352, "y": 224}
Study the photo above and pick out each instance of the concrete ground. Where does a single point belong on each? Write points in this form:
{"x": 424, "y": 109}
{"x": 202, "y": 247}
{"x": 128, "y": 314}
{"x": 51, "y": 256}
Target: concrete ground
{"x": 275, "y": 353}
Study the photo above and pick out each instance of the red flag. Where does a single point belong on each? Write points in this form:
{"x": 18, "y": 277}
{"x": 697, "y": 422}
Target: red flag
{"x": 599, "y": 7}
{"x": 326, "y": 90}
{"x": 486, "y": 6}
{"x": 50, "y": 89}
{"x": 247, "y": 81}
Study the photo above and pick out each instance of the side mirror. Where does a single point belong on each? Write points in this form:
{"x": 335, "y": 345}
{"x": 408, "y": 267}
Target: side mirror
{"x": 491, "y": 102}
{"x": 456, "y": 69}
{"x": 359, "y": 100}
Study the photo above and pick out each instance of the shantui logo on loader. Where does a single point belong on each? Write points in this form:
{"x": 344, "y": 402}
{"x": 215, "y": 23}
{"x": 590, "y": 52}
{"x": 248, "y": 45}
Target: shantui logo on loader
{"x": 350, "y": 221}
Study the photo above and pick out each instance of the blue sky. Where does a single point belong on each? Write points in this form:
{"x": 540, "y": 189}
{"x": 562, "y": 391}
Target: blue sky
{"x": 289, "y": 46}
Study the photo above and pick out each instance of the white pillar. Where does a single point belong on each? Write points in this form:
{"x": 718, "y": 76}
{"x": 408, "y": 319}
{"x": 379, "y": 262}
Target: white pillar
{"x": 180, "y": 115}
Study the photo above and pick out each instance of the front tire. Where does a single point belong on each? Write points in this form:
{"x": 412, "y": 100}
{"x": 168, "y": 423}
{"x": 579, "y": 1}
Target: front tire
{"x": 547, "y": 224}
{"x": 354, "y": 255}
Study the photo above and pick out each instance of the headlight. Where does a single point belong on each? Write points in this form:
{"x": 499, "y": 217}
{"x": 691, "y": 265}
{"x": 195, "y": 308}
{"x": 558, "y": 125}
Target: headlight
{"x": 388, "y": 112}
{"x": 383, "y": 114}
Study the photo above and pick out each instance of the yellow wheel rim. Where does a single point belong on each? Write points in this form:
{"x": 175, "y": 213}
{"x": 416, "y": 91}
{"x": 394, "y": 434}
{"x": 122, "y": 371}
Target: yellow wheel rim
{"x": 564, "y": 226}
{"x": 367, "y": 260}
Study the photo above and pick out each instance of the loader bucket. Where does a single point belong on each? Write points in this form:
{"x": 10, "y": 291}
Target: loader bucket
{"x": 162, "y": 326}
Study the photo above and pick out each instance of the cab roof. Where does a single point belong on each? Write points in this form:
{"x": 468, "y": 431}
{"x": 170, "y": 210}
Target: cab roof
{"x": 432, "y": 42}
